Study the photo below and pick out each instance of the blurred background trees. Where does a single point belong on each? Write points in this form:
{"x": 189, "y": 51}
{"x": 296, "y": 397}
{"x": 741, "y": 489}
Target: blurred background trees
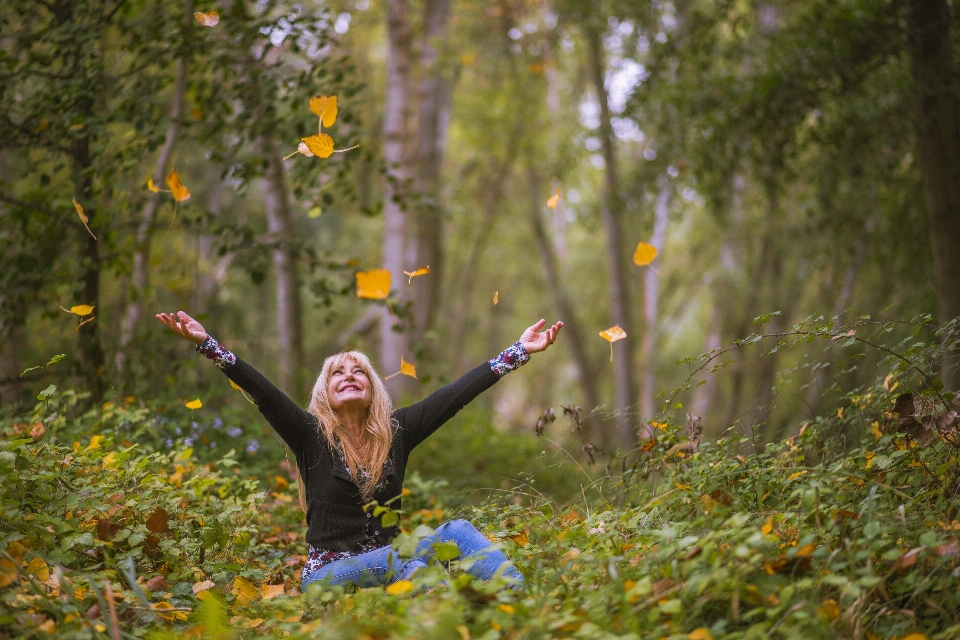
{"x": 786, "y": 158}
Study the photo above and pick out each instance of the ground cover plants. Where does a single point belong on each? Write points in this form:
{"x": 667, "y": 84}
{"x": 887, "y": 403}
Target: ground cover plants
{"x": 846, "y": 528}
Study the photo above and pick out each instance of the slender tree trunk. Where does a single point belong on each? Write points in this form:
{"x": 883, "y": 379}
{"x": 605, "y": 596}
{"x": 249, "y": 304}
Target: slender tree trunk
{"x": 92, "y": 359}
{"x": 573, "y": 333}
{"x": 433, "y": 114}
{"x": 938, "y": 142}
{"x": 212, "y": 269}
{"x": 615, "y": 254}
{"x": 281, "y": 229}
{"x": 393, "y": 341}
{"x": 651, "y": 295}
{"x": 140, "y": 272}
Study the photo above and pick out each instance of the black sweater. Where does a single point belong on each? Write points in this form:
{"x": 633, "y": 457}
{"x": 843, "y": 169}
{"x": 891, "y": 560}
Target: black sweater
{"x": 335, "y": 516}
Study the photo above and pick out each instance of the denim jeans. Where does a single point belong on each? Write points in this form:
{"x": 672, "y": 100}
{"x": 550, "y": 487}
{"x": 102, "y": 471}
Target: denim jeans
{"x": 384, "y": 566}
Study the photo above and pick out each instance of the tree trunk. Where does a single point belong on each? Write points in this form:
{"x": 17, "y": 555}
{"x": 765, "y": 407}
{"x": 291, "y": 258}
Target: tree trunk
{"x": 651, "y": 293}
{"x": 393, "y": 340}
{"x": 283, "y": 236}
{"x": 433, "y": 114}
{"x": 938, "y": 143}
{"x": 140, "y": 273}
{"x": 573, "y": 335}
{"x": 88, "y": 336}
{"x": 615, "y": 254}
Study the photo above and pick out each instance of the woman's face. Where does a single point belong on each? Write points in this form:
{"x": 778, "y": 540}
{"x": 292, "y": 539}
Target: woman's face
{"x": 348, "y": 387}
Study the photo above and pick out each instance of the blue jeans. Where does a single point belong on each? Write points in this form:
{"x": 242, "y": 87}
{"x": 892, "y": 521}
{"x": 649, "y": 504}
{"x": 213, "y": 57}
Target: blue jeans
{"x": 384, "y": 566}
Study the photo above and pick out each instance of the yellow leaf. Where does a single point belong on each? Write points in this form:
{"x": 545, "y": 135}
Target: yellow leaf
{"x": 94, "y": 443}
{"x": 373, "y": 284}
{"x": 553, "y": 200}
{"x": 180, "y": 192}
{"x": 152, "y": 186}
{"x": 408, "y": 368}
{"x": 401, "y": 586}
{"x": 109, "y": 460}
{"x": 422, "y": 271}
{"x": 165, "y": 611}
{"x": 208, "y": 19}
{"x": 875, "y": 430}
{"x": 681, "y": 487}
{"x": 245, "y": 591}
{"x": 463, "y": 631}
{"x": 613, "y": 334}
{"x": 83, "y": 322}
{"x": 83, "y": 217}
{"x": 520, "y": 538}
{"x": 194, "y": 404}
{"x": 8, "y": 572}
{"x": 870, "y": 455}
{"x": 496, "y": 297}
{"x": 271, "y": 591}
{"x": 829, "y": 609}
{"x": 326, "y": 108}
{"x": 806, "y": 550}
{"x": 281, "y": 483}
{"x": 767, "y": 527}
{"x": 253, "y": 623}
{"x": 80, "y": 309}
{"x": 235, "y": 385}
{"x": 700, "y": 633}
{"x": 506, "y": 608}
{"x": 203, "y": 586}
{"x": 39, "y": 568}
{"x": 796, "y": 475}
{"x": 48, "y": 626}
{"x": 916, "y": 635}
{"x": 320, "y": 145}
{"x": 644, "y": 254}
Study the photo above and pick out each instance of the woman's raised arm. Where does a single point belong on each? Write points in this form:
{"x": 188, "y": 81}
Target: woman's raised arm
{"x": 292, "y": 423}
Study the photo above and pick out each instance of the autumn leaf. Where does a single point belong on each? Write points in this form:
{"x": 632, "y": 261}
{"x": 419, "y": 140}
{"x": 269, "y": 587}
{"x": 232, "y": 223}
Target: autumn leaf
{"x": 81, "y": 309}
{"x": 767, "y": 527}
{"x": 83, "y": 322}
{"x": 166, "y": 611}
{"x": 644, "y": 255}
{"x": 194, "y": 404}
{"x": 320, "y": 145}
{"x": 240, "y": 389}
{"x": 806, "y": 550}
{"x": 496, "y": 297}
{"x": 8, "y": 572}
{"x": 83, "y": 217}
{"x": 521, "y": 538}
{"x": 406, "y": 368}
{"x": 611, "y": 335}
{"x": 271, "y": 591}
{"x": 326, "y": 108}
{"x": 245, "y": 591}
{"x": 506, "y": 608}
{"x": 554, "y": 199}
{"x": 180, "y": 192}
{"x": 680, "y": 486}
{"x": 152, "y": 186}
{"x": 829, "y": 609}
{"x": 700, "y": 633}
{"x": 39, "y": 568}
{"x": 422, "y": 271}
{"x": 158, "y": 521}
{"x": 203, "y": 586}
{"x": 400, "y": 586}
{"x": 94, "y": 443}
{"x": 373, "y": 284}
{"x": 208, "y": 19}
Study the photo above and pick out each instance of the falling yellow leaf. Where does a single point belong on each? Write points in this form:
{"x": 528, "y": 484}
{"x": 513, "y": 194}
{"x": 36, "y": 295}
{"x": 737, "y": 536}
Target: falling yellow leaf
{"x": 767, "y": 527}
{"x": 611, "y": 335}
{"x": 83, "y": 322}
{"x": 644, "y": 254}
{"x": 422, "y": 271}
{"x": 180, "y": 192}
{"x": 373, "y": 284}
{"x": 400, "y": 586}
{"x": 39, "y": 568}
{"x": 554, "y": 199}
{"x": 326, "y": 108}
{"x": 794, "y": 476}
{"x": 80, "y": 309}
{"x": 83, "y": 217}
{"x": 240, "y": 389}
{"x": 320, "y": 145}
{"x": 875, "y": 430}
{"x": 152, "y": 186}
{"x": 208, "y": 19}
{"x": 496, "y": 297}
{"x": 194, "y": 404}
{"x": 408, "y": 368}
{"x": 700, "y": 633}
{"x": 271, "y": 591}
{"x": 245, "y": 591}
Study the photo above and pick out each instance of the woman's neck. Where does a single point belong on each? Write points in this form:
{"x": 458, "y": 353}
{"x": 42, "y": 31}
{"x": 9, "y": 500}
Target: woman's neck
{"x": 354, "y": 426}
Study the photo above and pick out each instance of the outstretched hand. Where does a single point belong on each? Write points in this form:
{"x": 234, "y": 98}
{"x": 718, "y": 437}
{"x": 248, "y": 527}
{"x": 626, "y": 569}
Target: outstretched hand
{"x": 184, "y": 325}
{"x": 534, "y": 342}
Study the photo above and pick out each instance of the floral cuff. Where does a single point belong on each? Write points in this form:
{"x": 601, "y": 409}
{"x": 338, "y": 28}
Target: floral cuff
{"x": 213, "y": 350}
{"x": 509, "y": 359}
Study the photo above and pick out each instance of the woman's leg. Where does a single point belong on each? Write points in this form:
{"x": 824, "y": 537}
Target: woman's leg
{"x": 370, "y": 569}
{"x": 474, "y": 548}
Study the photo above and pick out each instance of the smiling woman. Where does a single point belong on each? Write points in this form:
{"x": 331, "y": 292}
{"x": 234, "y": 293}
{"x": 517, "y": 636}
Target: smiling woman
{"x": 352, "y": 449}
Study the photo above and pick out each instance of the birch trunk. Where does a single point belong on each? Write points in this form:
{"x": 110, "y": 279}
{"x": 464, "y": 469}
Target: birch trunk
{"x": 651, "y": 300}
{"x": 615, "y": 254}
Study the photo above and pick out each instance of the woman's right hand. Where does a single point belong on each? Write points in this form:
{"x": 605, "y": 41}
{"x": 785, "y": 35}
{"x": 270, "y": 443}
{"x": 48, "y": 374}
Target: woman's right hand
{"x": 184, "y": 325}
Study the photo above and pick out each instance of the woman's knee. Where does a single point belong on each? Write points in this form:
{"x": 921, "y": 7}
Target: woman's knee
{"x": 453, "y": 528}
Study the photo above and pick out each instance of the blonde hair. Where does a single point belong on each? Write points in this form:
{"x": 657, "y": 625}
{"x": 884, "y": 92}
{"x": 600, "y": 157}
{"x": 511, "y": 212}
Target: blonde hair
{"x": 377, "y": 434}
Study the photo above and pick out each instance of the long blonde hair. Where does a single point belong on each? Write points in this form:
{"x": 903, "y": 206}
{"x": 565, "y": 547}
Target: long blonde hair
{"x": 377, "y": 434}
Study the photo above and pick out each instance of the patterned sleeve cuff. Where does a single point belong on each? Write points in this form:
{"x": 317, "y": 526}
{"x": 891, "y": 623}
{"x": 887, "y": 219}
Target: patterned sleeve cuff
{"x": 509, "y": 359}
{"x": 216, "y": 352}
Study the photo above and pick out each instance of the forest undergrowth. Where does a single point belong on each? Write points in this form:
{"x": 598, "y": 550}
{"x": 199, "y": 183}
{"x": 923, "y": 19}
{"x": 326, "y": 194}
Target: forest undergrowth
{"x": 848, "y": 528}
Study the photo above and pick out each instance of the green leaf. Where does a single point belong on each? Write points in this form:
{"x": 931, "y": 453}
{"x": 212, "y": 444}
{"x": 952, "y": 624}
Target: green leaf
{"x": 47, "y": 393}
{"x": 57, "y": 358}
{"x": 26, "y": 371}
{"x": 446, "y": 551}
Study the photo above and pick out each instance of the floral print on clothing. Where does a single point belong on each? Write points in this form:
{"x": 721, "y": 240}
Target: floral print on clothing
{"x": 319, "y": 558}
{"x": 509, "y": 359}
{"x": 213, "y": 350}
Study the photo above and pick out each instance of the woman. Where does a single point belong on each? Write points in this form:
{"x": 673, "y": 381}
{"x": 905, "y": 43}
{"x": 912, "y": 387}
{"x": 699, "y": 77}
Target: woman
{"x": 352, "y": 448}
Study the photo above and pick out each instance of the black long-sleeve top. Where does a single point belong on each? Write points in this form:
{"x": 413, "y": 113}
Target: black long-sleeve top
{"x": 335, "y": 517}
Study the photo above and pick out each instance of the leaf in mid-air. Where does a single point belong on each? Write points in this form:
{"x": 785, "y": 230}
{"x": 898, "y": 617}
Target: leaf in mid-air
{"x": 611, "y": 335}
{"x": 194, "y": 404}
{"x": 180, "y": 192}
{"x": 373, "y": 284}
{"x": 83, "y": 217}
{"x": 408, "y": 368}
{"x": 152, "y": 186}
{"x": 496, "y": 297}
{"x": 326, "y": 108}
{"x": 320, "y": 145}
{"x": 554, "y": 199}
{"x": 422, "y": 271}
{"x": 208, "y": 19}
{"x": 644, "y": 254}
{"x": 81, "y": 309}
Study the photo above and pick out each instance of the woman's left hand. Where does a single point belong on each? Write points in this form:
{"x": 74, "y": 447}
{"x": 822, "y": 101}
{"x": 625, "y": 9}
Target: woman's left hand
{"x": 535, "y": 342}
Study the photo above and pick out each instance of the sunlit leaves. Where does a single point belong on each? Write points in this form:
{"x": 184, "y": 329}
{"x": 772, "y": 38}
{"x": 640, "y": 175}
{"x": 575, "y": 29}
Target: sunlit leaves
{"x": 208, "y": 19}
{"x": 83, "y": 217}
{"x": 422, "y": 271}
{"x": 326, "y": 109}
{"x": 373, "y": 284}
{"x": 554, "y": 199}
{"x": 612, "y": 335}
{"x": 644, "y": 254}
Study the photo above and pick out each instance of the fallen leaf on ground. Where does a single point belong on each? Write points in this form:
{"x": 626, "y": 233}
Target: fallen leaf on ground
{"x": 203, "y": 586}
{"x": 245, "y": 591}
{"x": 271, "y": 591}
